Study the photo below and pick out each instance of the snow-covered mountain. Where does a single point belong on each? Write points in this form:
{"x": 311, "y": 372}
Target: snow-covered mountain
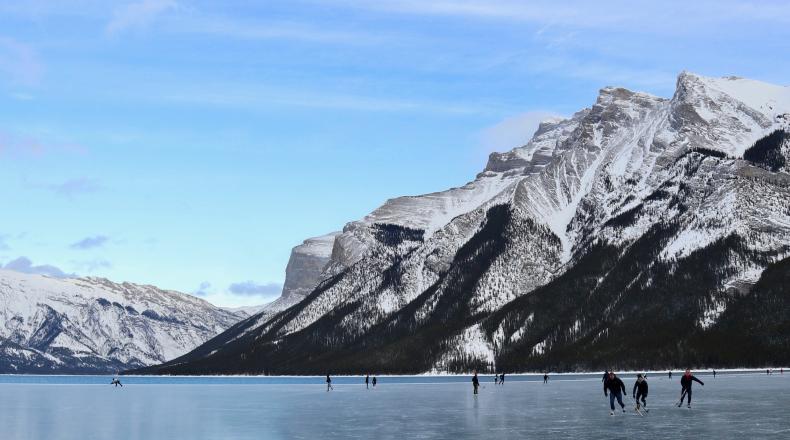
{"x": 639, "y": 225}
{"x": 91, "y": 325}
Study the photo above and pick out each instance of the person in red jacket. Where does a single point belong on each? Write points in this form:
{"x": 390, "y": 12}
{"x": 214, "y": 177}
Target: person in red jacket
{"x": 685, "y": 386}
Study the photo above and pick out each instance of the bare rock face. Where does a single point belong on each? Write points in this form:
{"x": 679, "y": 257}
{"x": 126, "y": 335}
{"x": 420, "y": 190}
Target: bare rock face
{"x": 307, "y": 263}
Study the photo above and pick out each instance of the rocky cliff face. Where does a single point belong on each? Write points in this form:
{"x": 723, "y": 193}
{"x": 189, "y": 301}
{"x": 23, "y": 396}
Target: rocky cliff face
{"x": 92, "y": 325}
{"x": 633, "y": 226}
{"x": 307, "y": 263}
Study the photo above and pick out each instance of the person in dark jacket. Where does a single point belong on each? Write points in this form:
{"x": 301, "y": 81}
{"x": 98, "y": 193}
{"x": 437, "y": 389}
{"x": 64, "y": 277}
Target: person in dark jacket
{"x": 605, "y": 376}
{"x": 614, "y": 388}
{"x": 367, "y": 381}
{"x": 640, "y": 392}
{"x": 545, "y": 378}
{"x": 502, "y": 379}
{"x": 328, "y": 383}
{"x": 375, "y": 381}
{"x": 685, "y": 387}
{"x": 475, "y": 382}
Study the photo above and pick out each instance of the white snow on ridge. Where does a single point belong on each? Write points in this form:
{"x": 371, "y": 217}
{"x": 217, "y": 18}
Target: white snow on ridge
{"x": 431, "y": 212}
{"x": 770, "y": 99}
{"x": 123, "y": 323}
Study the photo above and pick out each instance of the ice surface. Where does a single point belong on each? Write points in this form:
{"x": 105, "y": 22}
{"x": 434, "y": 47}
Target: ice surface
{"x": 573, "y": 407}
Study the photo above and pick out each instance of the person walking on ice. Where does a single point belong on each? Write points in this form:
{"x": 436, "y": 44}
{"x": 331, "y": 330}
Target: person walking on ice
{"x": 614, "y": 388}
{"x": 640, "y": 392}
{"x": 367, "y": 382}
{"x": 374, "y": 382}
{"x": 328, "y": 383}
{"x": 545, "y": 378}
{"x": 685, "y": 387}
{"x": 475, "y": 382}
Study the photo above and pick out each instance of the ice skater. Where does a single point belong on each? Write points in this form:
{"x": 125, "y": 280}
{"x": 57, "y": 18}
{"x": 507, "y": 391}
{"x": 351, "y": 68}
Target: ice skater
{"x": 545, "y": 378}
{"x": 116, "y": 382}
{"x": 374, "y": 382}
{"x": 475, "y": 383}
{"x": 329, "y": 384}
{"x": 670, "y": 375}
{"x": 639, "y": 393}
{"x": 367, "y": 382}
{"x": 502, "y": 379}
{"x": 685, "y": 387}
{"x": 605, "y": 376}
{"x": 714, "y": 374}
{"x": 614, "y": 388}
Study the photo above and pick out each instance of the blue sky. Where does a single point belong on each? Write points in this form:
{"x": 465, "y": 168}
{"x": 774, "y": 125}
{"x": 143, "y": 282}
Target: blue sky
{"x": 191, "y": 144}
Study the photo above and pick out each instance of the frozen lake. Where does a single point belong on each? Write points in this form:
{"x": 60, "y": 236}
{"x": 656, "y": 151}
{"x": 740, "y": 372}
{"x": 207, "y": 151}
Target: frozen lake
{"x": 737, "y": 405}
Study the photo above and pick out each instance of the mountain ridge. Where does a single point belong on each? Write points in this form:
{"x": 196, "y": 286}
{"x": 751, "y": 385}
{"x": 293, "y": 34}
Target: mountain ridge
{"x": 94, "y": 325}
{"x": 610, "y": 207}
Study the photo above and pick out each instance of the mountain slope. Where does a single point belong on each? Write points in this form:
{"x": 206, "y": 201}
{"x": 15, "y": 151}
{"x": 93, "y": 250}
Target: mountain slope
{"x": 617, "y": 237}
{"x": 92, "y": 325}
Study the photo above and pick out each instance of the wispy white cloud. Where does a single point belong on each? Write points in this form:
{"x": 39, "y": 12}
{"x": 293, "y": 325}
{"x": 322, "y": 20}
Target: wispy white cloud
{"x": 204, "y": 289}
{"x": 91, "y": 266}
{"x": 664, "y": 16}
{"x": 20, "y": 64}
{"x": 90, "y": 242}
{"x": 14, "y": 144}
{"x": 253, "y": 288}
{"x": 239, "y": 28}
{"x": 138, "y": 14}
{"x": 254, "y": 96}
{"x": 24, "y": 265}
{"x": 73, "y": 187}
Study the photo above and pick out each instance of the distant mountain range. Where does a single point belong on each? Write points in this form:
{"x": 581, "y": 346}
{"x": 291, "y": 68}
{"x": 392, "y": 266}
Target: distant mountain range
{"x": 640, "y": 232}
{"x": 92, "y": 325}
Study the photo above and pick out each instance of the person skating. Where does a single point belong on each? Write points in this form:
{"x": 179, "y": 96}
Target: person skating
{"x": 328, "y": 383}
{"x": 639, "y": 393}
{"x": 670, "y": 375}
{"x": 367, "y": 381}
{"x": 475, "y": 382}
{"x": 605, "y": 376}
{"x": 374, "y": 382}
{"x": 714, "y": 374}
{"x": 614, "y": 388}
{"x": 116, "y": 382}
{"x": 545, "y": 378}
{"x": 685, "y": 387}
{"x": 502, "y": 379}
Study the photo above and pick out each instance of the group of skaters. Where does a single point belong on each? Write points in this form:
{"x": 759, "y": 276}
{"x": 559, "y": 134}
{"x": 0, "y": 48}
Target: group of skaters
{"x": 614, "y": 388}
{"x": 368, "y": 382}
{"x": 499, "y": 379}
